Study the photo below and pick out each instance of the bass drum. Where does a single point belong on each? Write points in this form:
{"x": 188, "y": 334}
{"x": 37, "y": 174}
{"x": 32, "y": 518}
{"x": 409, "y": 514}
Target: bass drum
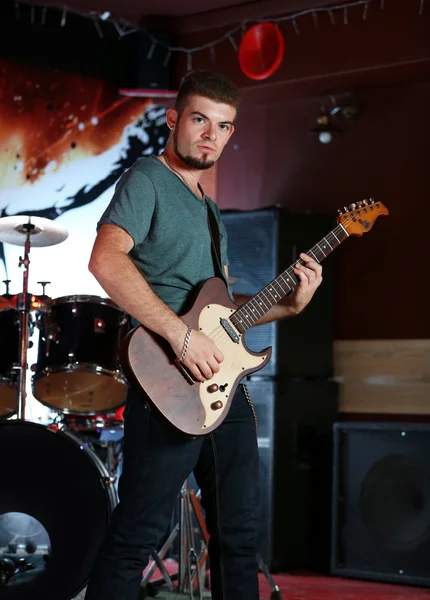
{"x": 55, "y": 507}
{"x": 9, "y": 354}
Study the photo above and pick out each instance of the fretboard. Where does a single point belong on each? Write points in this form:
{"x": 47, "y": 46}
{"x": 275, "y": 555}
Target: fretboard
{"x": 247, "y": 315}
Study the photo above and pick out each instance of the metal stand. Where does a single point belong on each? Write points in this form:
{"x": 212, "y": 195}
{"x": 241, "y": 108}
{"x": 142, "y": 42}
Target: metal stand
{"x": 192, "y": 564}
{"x": 23, "y": 306}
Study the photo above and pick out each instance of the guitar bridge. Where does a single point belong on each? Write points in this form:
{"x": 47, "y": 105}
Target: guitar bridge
{"x": 229, "y": 329}
{"x": 184, "y": 371}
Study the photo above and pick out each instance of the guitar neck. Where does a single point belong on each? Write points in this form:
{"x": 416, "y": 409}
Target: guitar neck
{"x": 248, "y": 314}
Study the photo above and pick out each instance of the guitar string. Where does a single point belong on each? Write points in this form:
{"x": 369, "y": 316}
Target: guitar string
{"x": 219, "y": 334}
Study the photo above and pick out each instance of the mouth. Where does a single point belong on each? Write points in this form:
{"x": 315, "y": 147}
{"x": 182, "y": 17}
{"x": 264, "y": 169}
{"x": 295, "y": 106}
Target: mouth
{"x": 206, "y": 149}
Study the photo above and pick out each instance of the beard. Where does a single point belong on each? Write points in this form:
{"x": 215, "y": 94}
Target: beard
{"x": 201, "y": 164}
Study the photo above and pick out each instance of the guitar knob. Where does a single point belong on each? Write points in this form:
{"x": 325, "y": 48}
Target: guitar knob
{"x": 352, "y": 206}
{"x": 217, "y": 405}
{"x": 213, "y": 388}
{"x": 365, "y": 202}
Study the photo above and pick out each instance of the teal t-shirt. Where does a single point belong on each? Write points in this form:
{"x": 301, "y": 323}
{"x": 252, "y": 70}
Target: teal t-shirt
{"x": 169, "y": 226}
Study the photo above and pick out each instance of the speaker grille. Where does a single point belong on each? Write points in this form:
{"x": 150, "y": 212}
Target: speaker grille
{"x": 261, "y": 244}
{"x": 381, "y": 501}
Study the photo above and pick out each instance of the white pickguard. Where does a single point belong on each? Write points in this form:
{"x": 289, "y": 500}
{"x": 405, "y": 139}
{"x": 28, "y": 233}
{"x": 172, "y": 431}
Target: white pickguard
{"x": 236, "y": 361}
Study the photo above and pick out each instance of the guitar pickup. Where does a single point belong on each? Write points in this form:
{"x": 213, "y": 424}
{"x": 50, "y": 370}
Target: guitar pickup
{"x": 229, "y": 329}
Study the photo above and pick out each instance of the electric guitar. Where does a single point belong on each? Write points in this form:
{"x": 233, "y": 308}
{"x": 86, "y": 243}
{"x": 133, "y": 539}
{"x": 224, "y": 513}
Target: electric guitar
{"x": 197, "y": 408}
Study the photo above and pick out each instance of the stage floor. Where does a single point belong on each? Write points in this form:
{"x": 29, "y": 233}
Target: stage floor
{"x": 306, "y": 586}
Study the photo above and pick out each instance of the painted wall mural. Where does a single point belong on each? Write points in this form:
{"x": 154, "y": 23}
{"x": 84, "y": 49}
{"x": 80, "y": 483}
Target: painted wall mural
{"x": 65, "y": 140}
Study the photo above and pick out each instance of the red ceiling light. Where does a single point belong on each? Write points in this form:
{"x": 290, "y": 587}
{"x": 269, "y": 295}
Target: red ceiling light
{"x": 261, "y": 50}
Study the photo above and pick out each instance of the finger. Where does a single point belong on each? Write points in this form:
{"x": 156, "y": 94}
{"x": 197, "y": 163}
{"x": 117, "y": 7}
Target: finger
{"x": 214, "y": 365}
{"x": 307, "y": 258}
{"x": 195, "y": 372}
{"x": 205, "y": 370}
{"x": 219, "y": 356}
{"x": 304, "y": 277}
{"x": 311, "y": 264}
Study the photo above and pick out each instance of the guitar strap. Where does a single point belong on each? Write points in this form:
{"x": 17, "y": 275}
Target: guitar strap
{"x": 215, "y": 238}
{"x": 216, "y": 254}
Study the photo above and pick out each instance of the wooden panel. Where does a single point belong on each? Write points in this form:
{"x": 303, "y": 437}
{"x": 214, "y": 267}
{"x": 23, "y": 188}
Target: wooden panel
{"x": 383, "y": 376}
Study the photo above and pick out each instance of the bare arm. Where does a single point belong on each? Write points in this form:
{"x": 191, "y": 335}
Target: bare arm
{"x": 119, "y": 277}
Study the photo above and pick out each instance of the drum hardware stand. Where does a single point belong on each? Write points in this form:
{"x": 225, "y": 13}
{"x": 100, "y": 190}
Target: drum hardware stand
{"x": 23, "y": 305}
{"x": 190, "y": 565}
{"x": 6, "y": 282}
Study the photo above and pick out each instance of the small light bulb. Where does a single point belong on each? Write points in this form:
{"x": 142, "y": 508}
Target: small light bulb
{"x": 325, "y": 137}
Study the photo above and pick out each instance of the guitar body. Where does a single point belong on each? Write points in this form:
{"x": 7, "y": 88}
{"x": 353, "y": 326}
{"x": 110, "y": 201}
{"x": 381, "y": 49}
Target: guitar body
{"x": 190, "y": 406}
{"x": 199, "y": 408}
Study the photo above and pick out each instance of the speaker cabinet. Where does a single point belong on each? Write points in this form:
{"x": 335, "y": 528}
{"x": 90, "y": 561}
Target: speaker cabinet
{"x": 295, "y": 422}
{"x": 261, "y": 244}
{"x": 381, "y": 502}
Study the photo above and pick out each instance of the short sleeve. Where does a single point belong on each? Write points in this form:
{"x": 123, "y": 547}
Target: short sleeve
{"x": 132, "y": 205}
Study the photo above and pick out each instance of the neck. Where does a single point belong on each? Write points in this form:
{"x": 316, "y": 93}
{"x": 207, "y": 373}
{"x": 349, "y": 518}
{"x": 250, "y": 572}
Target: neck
{"x": 191, "y": 176}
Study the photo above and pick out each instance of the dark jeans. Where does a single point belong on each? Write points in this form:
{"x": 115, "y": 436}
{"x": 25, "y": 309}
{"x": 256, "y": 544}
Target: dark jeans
{"x": 157, "y": 461}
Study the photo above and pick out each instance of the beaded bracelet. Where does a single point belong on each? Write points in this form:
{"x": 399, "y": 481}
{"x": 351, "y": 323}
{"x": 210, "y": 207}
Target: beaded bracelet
{"x": 186, "y": 342}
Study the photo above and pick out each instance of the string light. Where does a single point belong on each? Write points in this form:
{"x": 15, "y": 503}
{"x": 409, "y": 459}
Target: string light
{"x": 151, "y": 50}
{"x": 315, "y": 18}
{"x": 123, "y": 28}
{"x": 63, "y": 17}
{"x": 366, "y": 6}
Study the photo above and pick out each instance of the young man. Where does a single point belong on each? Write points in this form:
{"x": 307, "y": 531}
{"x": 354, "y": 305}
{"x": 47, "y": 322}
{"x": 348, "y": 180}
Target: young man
{"x": 152, "y": 252}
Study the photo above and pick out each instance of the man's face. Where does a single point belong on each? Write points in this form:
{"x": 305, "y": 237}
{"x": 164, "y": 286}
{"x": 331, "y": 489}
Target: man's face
{"x": 202, "y": 131}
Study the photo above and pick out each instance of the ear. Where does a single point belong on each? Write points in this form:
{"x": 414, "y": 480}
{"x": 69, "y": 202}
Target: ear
{"x": 230, "y": 132}
{"x": 171, "y": 117}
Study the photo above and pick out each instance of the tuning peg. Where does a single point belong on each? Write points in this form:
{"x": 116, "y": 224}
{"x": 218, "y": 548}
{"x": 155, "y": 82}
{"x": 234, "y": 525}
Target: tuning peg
{"x": 352, "y": 206}
{"x": 372, "y": 201}
{"x": 359, "y": 204}
{"x": 345, "y": 208}
{"x": 339, "y": 211}
{"x": 365, "y": 202}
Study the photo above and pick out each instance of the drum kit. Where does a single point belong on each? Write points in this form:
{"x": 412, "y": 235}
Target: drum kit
{"x": 58, "y": 478}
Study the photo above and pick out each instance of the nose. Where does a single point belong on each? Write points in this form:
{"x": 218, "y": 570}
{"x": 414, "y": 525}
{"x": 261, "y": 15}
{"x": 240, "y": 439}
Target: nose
{"x": 210, "y": 133}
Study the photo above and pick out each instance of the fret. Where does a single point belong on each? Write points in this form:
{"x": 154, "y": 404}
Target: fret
{"x": 322, "y": 250}
{"x": 311, "y": 252}
{"x": 327, "y": 242}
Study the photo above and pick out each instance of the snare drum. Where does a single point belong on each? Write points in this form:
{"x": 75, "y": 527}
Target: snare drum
{"x": 9, "y": 354}
{"x": 52, "y": 482}
{"x": 78, "y": 365}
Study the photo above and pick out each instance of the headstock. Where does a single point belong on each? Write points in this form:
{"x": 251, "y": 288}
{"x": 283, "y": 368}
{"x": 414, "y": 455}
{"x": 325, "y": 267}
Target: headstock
{"x": 359, "y": 217}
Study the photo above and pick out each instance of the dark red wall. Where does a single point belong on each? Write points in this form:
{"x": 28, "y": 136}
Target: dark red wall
{"x": 381, "y": 283}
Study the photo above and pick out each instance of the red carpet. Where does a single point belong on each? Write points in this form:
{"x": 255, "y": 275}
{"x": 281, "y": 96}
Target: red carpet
{"x": 315, "y": 587}
{"x": 307, "y": 586}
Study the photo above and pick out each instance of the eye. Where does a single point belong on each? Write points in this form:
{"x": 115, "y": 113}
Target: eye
{"x": 224, "y": 127}
{"x": 198, "y": 120}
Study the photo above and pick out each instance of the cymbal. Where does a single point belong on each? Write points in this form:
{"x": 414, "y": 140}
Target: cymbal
{"x": 44, "y": 233}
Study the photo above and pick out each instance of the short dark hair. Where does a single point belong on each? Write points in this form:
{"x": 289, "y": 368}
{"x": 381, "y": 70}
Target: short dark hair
{"x": 209, "y": 85}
